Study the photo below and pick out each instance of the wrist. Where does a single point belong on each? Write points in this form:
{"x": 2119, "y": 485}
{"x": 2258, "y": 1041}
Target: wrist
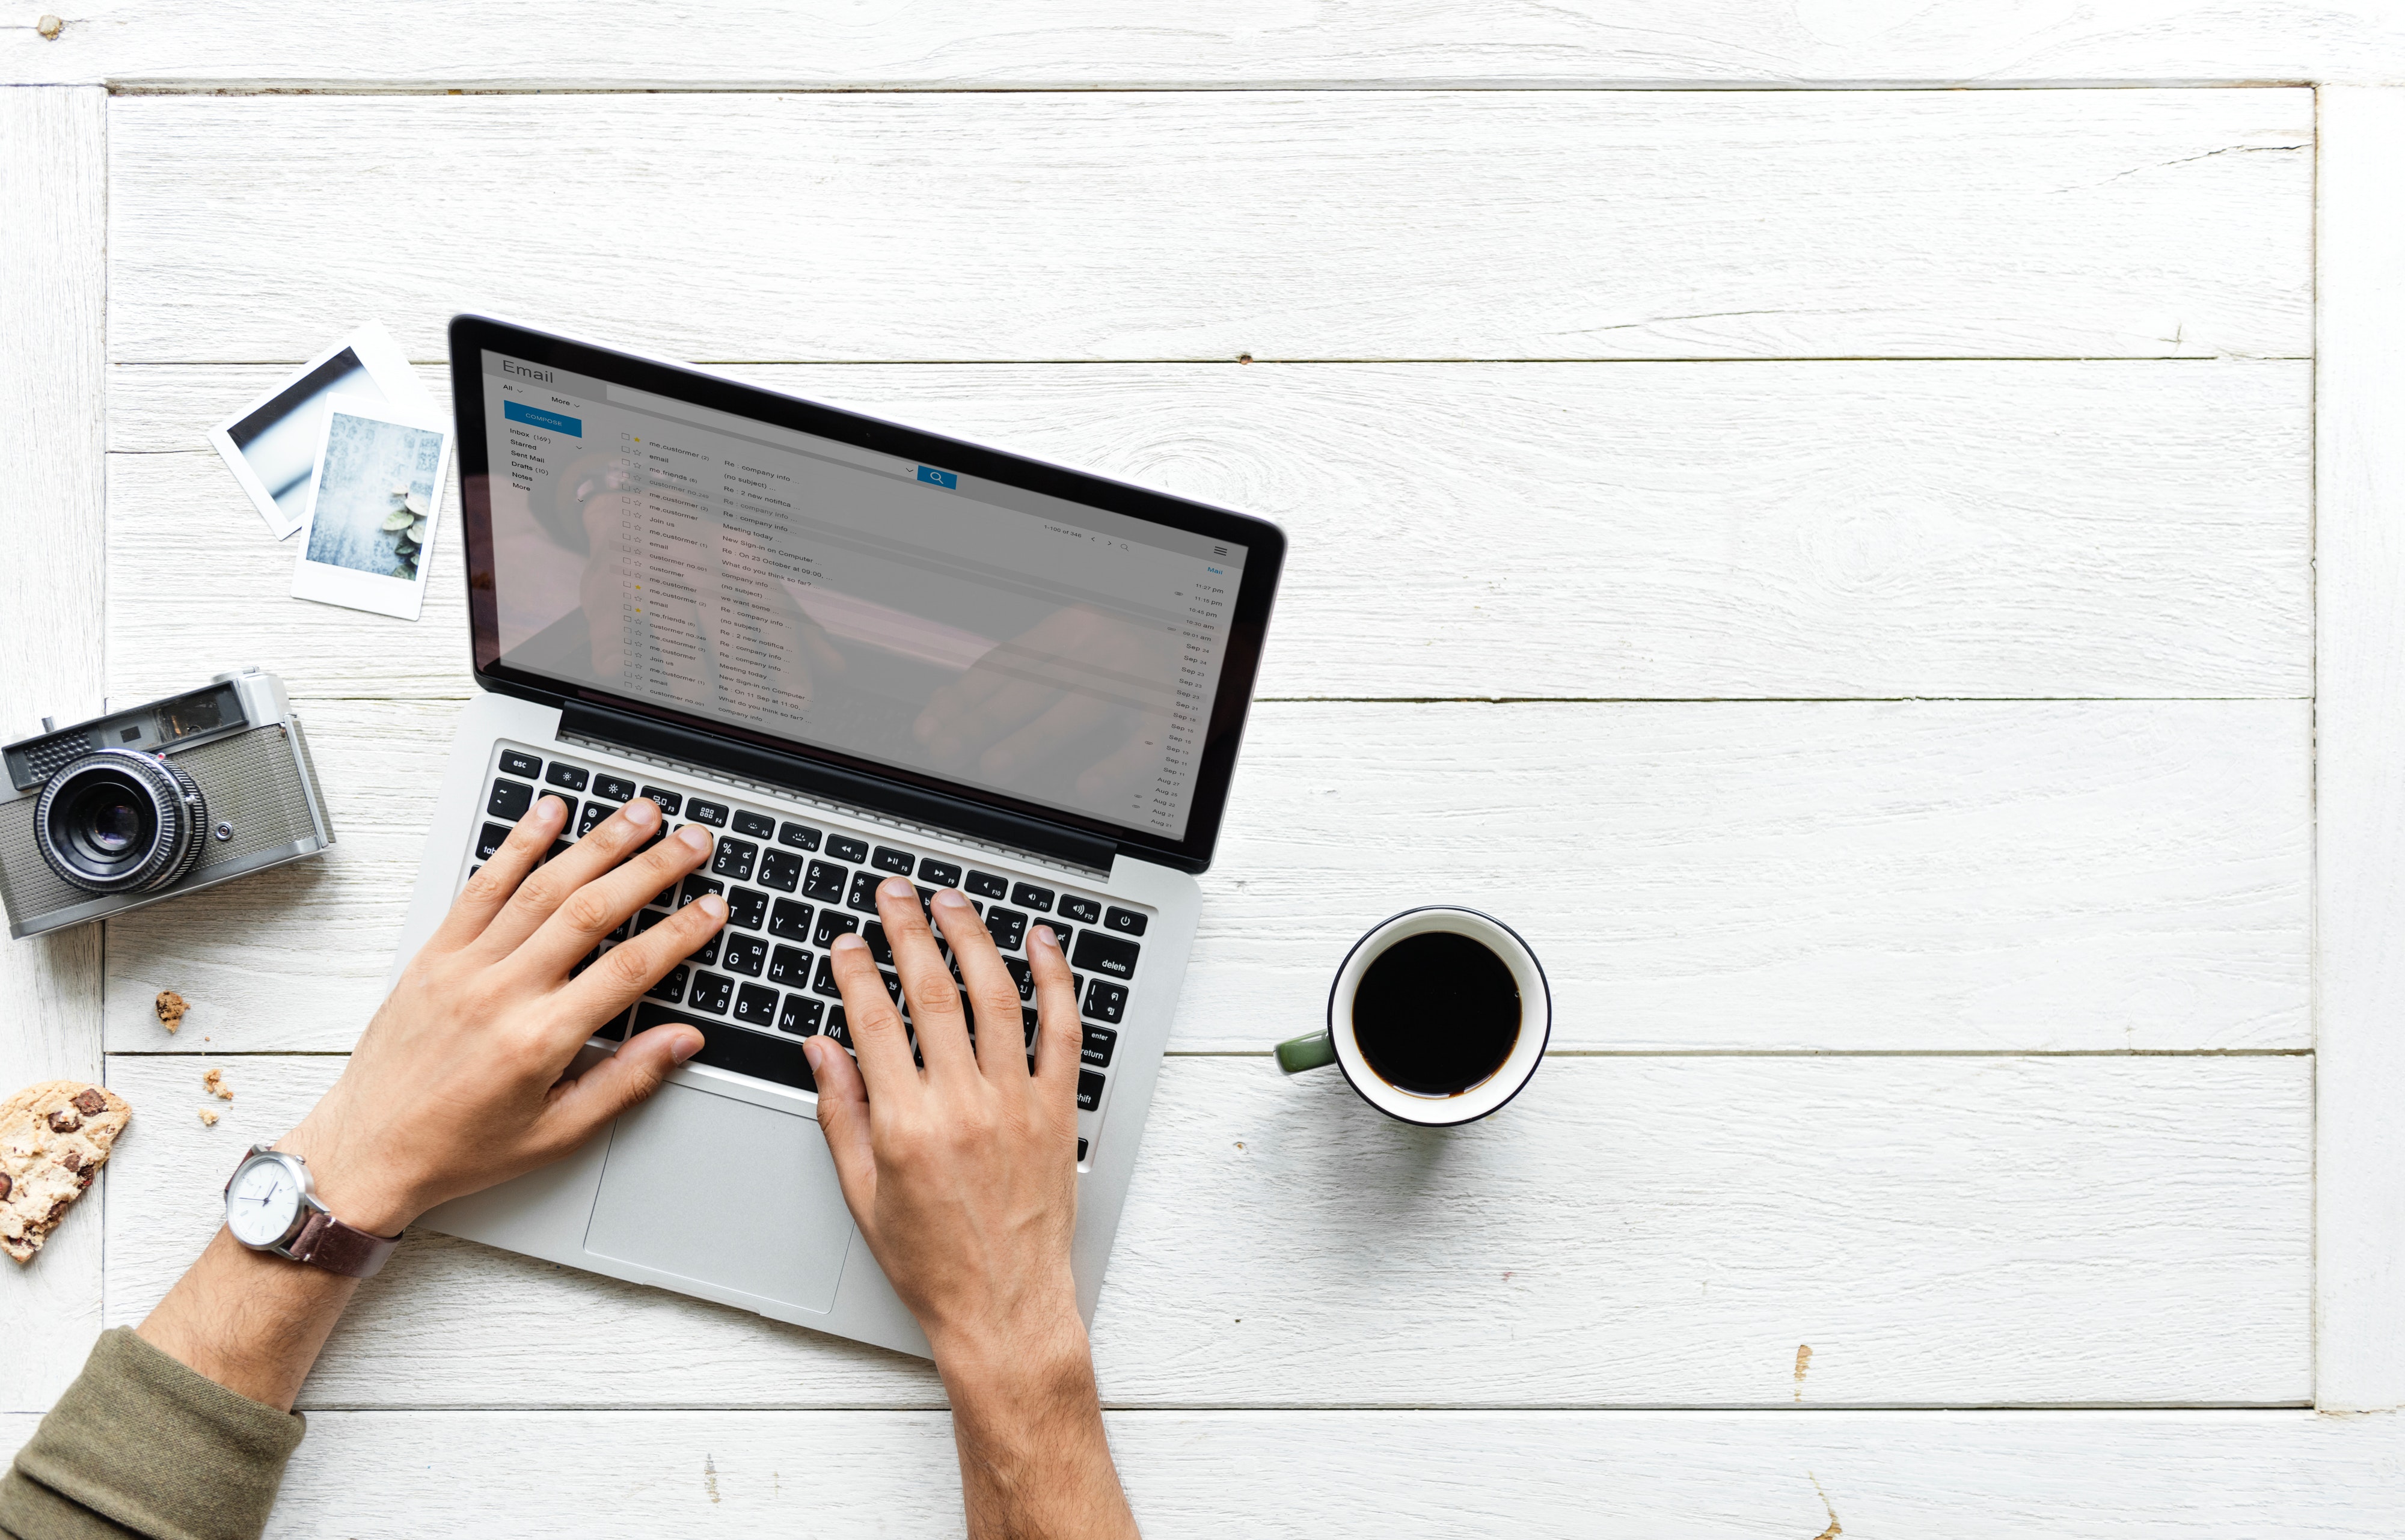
{"x": 1039, "y": 1359}
{"x": 363, "y": 1193}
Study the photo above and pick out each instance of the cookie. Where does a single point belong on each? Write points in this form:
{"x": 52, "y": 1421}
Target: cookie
{"x": 53, "y": 1137}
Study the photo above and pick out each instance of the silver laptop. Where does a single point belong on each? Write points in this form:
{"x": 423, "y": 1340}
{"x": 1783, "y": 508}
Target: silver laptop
{"x": 850, "y": 648}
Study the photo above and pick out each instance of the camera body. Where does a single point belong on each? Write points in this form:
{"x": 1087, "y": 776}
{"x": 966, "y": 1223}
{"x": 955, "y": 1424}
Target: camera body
{"x": 154, "y": 801}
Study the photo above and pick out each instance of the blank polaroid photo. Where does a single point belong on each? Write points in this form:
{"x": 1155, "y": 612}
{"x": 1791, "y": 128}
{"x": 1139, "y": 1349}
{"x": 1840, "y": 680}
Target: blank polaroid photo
{"x": 374, "y": 501}
{"x": 271, "y": 445}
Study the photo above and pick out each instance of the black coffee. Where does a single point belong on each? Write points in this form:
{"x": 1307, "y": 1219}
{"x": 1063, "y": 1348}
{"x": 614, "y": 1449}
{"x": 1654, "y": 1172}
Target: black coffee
{"x": 1436, "y": 1014}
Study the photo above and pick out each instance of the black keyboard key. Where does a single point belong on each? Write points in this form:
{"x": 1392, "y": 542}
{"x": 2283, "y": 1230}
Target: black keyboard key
{"x": 746, "y": 955}
{"x": 1085, "y": 911}
{"x": 1127, "y": 922}
{"x": 663, "y": 898}
{"x": 1097, "y": 953}
{"x": 1058, "y": 930}
{"x": 834, "y": 923}
{"x": 1022, "y": 976}
{"x": 824, "y": 883}
{"x": 879, "y": 947}
{"x": 489, "y": 840}
{"x": 844, "y": 847}
{"x": 1008, "y": 928}
{"x": 756, "y": 1006}
{"x": 939, "y": 873}
{"x": 558, "y": 847}
{"x": 838, "y": 1027}
{"x": 824, "y": 984}
{"x": 710, "y": 813}
{"x": 1028, "y": 1021}
{"x": 1081, "y": 1152}
{"x": 1105, "y": 1000}
{"x": 671, "y": 989}
{"x": 781, "y": 870}
{"x": 790, "y": 966}
{"x": 801, "y": 836}
{"x": 1090, "y": 1089}
{"x": 625, "y": 928}
{"x": 648, "y": 918}
{"x": 790, "y": 920}
{"x": 696, "y": 885}
{"x": 617, "y": 788}
{"x": 587, "y": 960}
{"x": 708, "y": 955}
{"x": 1028, "y": 896}
{"x": 1100, "y": 1040}
{"x": 510, "y": 798}
{"x": 733, "y": 859}
{"x": 900, "y": 863}
{"x": 893, "y": 986}
{"x": 711, "y": 992}
{"x": 757, "y": 825}
{"x": 521, "y": 765}
{"x": 801, "y": 1015}
{"x": 746, "y": 907}
{"x": 864, "y": 892}
{"x": 985, "y": 885}
{"x": 670, "y": 801}
{"x": 593, "y": 813}
{"x": 574, "y": 777}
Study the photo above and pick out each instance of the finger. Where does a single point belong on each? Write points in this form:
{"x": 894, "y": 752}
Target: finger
{"x": 472, "y": 912}
{"x": 1059, "y": 1039}
{"x": 539, "y": 896}
{"x": 601, "y": 905}
{"x": 579, "y": 1107}
{"x": 926, "y": 982}
{"x": 631, "y": 967}
{"x": 991, "y": 988}
{"x": 877, "y": 1032}
{"x": 843, "y": 1118}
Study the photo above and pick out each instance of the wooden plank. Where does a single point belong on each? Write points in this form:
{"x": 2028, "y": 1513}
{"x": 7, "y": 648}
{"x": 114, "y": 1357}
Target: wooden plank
{"x": 2361, "y": 853}
{"x": 1936, "y": 528}
{"x": 1940, "y": 876}
{"x": 1649, "y": 1232}
{"x": 1206, "y": 225}
{"x": 253, "y": 44}
{"x": 53, "y": 285}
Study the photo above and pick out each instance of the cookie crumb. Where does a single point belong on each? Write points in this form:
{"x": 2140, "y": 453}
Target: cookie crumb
{"x": 209, "y": 1117}
{"x": 49, "y": 26}
{"x": 171, "y": 1007}
{"x": 215, "y": 1081}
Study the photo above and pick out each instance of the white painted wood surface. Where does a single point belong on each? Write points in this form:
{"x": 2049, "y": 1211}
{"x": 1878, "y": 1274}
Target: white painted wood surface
{"x": 52, "y": 284}
{"x": 1331, "y": 1475}
{"x": 1688, "y": 531}
{"x": 2360, "y": 1022}
{"x": 2092, "y": 876}
{"x": 1183, "y": 225}
{"x": 1942, "y": 1231}
{"x": 957, "y": 44}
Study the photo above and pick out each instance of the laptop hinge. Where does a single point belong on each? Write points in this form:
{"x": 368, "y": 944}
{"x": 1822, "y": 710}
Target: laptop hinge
{"x": 768, "y": 767}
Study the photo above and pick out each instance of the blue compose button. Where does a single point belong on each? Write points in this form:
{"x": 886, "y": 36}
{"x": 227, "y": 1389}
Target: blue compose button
{"x": 933, "y": 477}
{"x": 536, "y": 417}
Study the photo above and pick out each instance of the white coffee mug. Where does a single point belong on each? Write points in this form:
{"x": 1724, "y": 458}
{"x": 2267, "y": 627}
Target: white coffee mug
{"x": 1338, "y": 1045}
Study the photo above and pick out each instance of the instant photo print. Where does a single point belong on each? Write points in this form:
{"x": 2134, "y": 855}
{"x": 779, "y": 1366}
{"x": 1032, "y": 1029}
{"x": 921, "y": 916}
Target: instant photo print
{"x": 271, "y": 445}
{"x": 375, "y": 496}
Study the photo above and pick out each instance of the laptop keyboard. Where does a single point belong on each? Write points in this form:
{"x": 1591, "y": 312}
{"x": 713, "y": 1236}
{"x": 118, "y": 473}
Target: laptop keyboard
{"x": 790, "y": 888}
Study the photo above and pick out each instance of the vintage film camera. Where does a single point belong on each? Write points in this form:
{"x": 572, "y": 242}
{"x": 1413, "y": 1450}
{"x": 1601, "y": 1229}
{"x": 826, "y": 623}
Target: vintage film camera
{"x": 144, "y": 804}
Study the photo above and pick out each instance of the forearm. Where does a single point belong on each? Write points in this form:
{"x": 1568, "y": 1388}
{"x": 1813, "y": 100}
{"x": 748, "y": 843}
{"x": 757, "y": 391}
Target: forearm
{"x": 250, "y": 1321}
{"x": 1034, "y": 1459}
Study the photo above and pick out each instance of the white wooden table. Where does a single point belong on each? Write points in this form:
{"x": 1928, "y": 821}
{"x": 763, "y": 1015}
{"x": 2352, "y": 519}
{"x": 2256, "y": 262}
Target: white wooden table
{"x": 1895, "y": 589}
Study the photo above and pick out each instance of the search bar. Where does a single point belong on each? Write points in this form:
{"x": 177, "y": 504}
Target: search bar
{"x": 769, "y": 433}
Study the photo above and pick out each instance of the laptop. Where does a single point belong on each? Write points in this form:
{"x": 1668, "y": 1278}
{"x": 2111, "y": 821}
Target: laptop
{"x": 850, "y": 648}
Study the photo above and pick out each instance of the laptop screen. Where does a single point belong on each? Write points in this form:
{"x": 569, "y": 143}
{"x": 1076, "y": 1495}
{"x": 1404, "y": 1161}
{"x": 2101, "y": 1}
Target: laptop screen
{"x": 894, "y": 608}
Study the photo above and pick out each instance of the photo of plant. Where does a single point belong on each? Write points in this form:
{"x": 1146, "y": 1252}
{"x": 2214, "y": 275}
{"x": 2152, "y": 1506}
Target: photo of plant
{"x": 374, "y": 496}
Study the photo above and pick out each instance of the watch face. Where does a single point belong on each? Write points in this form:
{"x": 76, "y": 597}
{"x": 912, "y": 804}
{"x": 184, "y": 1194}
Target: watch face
{"x": 261, "y": 1202}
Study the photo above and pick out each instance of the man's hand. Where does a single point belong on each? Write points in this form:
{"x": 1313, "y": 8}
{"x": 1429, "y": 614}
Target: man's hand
{"x": 457, "y": 1084}
{"x": 963, "y": 1178}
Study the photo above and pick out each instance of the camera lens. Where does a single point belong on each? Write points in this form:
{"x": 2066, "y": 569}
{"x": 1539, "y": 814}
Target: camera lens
{"x": 120, "y": 821}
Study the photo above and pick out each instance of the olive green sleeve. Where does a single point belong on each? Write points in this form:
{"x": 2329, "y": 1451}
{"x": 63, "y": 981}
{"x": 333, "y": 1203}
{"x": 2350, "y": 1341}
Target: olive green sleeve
{"x": 142, "y": 1446}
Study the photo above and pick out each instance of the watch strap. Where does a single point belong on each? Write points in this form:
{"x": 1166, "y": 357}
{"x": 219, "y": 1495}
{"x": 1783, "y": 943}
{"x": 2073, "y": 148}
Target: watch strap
{"x": 327, "y": 1242}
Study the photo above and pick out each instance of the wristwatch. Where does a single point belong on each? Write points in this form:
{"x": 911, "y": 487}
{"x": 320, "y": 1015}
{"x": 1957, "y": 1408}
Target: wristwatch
{"x": 271, "y": 1206}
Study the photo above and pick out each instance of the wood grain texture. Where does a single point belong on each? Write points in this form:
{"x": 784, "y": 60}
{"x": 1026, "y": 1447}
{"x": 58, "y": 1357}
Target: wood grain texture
{"x": 1938, "y": 876}
{"x": 53, "y": 294}
{"x": 1686, "y": 530}
{"x": 1638, "y": 1232}
{"x": 1205, "y": 225}
{"x": 1078, "y": 42}
{"x": 2360, "y": 871}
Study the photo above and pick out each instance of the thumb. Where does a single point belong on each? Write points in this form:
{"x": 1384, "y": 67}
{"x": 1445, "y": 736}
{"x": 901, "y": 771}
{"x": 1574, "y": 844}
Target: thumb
{"x": 843, "y": 1118}
{"x": 625, "y": 1079}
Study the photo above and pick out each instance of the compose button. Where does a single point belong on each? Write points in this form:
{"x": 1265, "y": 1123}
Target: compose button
{"x": 933, "y": 477}
{"x": 536, "y": 417}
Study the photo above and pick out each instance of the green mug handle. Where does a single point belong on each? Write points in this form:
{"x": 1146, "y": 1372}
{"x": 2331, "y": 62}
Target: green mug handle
{"x": 1298, "y": 1054}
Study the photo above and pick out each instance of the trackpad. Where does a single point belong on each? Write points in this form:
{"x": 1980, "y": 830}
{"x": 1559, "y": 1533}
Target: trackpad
{"x": 719, "y": 1191}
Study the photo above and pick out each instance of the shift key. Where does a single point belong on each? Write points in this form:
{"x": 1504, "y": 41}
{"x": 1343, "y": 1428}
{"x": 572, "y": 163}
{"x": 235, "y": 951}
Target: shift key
{"x": 1102, "y": 953}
